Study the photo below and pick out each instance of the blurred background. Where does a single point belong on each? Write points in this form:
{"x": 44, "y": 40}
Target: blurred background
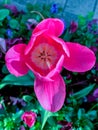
{"x": 71, "y": 8}
{"x": 18, "y": 18}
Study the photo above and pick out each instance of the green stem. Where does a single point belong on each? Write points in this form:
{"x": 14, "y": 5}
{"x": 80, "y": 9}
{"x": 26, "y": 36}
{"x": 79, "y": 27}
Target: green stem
{"x": 96, "y": 105}
{"x": 47, "y": 114}
{"x": 36, "y": 12}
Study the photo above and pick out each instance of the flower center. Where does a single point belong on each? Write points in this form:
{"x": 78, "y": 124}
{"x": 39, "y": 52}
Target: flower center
{"x": 29, "y": 118}
{"x": 44, "y": 56}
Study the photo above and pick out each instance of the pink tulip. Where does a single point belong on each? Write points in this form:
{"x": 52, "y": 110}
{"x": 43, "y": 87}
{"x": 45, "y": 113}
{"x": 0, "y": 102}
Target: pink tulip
{"x": 45, "y": 55}
{"x": 29, "y": 118}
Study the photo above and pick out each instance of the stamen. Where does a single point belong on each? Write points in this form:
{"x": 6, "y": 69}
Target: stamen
{"x": 48, "y": 64}
{"x": 44, "y": 56}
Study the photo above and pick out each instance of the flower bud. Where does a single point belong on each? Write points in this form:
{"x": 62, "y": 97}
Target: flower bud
{"x": 29, "y": 118}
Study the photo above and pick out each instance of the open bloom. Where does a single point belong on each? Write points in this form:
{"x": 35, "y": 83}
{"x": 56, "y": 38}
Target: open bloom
{"x": 29, "y": 118}
{"x": 45, "y": 55}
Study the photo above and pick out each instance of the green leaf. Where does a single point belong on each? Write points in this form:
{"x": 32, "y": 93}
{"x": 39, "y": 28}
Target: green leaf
{"x": 26, "y": 80}
{"x": 1, "y": 128}
{"x": 1, "y": 125}
{"x": 80, "y": 128}
{"x": 80, "y": 113}
{"x": 29, "y": 6}
{"x": 3, "y": 14}
{"x": 5, "y": 70}
{"x": 8, "y": 123}
{"x": 27, "y": 98}
{"x": 68, "y": 113}
{"x": 6, "y": 1}
{"x": 2, "y": 112}
{"x": 52, "y": 122}
{"x": 14, "y": 24}
{"x": 83, "y": 92}
{"x": 92, "y": 115}
{"x": 90, "y": 15}
{"x": 89, "y": 123}
{"x": 87, "y": 128}
{"x": 82, "y": 20}
{"x": 37, "y": 126}
{"x": 30, "y": 73}
{"x": 17, "y": 116}
{"x": 67, "y": 36}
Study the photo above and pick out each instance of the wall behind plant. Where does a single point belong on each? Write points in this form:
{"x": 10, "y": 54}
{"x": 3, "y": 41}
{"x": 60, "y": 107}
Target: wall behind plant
{"x": 71, "y": 8}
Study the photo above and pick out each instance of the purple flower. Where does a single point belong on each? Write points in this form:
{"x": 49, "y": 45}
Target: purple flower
{"x": 96, "y": 66}
{"x": 2, "y": 46}
{"x": 22, "y": 128}
{"x": 97, "y": 40}
{"x": 91, "y": 98}
{"x": 73, "y": 27}
{"x": 9, "y": 33}
{"x": 65, "y": 125}
{"x": 11, "y": 42}
{"x": 1, "y": 103}
{"x": 31, "y": 24}
{"x": 12, "y": 8}
{"x": 95, "y": 93}
{"x": 0, "y": 54}
{"x": 1, "y": 107}
{"x": 17, "y": 100}
{"x": 94, "y": 49}
{"x": 54, "y": 8}
{"x": 93, "y": 26}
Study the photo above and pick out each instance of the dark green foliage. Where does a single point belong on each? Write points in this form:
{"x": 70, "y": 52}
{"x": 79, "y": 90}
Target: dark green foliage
{"x": 79, "y": 111}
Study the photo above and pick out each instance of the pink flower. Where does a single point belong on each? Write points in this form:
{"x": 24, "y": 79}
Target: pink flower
{"x": 29, "y": 118}
{"x": 45, "y": 55}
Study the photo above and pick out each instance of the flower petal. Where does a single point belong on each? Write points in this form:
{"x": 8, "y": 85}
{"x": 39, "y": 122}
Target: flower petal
{"x": 15, "y": 60}
{"x": 53, "y": 25}
{"x": 57, "y": 69}
{"x": 62, "y": 43}
{"x": 52, "y": 45}
{"x": 2, "y": 45}
{"x": 81, "y": 58}
{"x": 51, "y": 94}
{"x": 32, "y": 41}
